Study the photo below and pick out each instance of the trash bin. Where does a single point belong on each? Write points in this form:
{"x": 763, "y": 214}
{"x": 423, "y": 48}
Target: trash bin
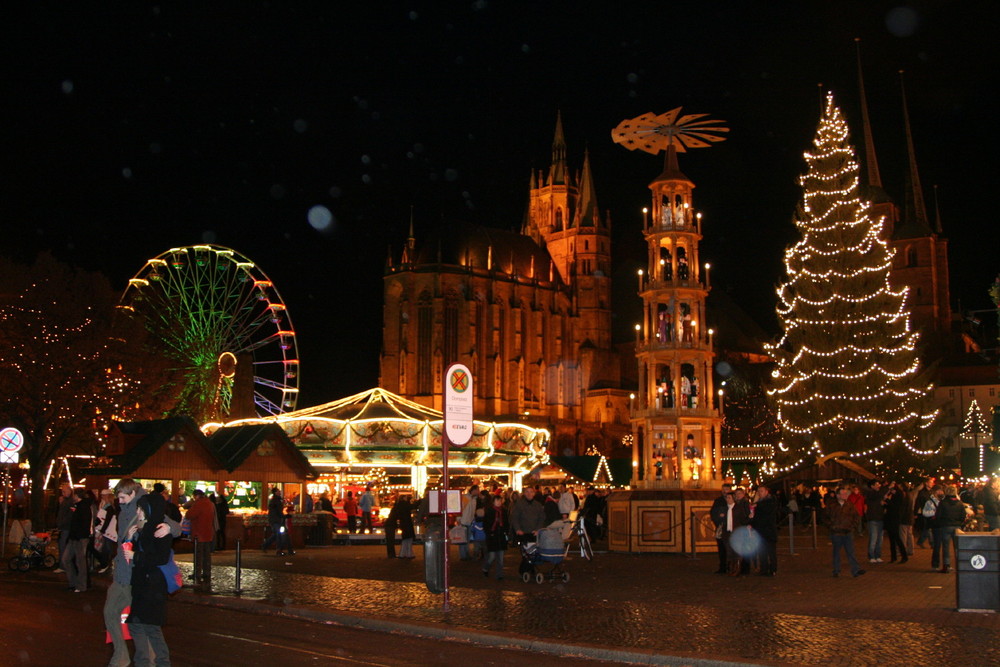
{"x": 978, "y": 571}
{"x": 434, "y": 559}
{"x": 322, "y": 532}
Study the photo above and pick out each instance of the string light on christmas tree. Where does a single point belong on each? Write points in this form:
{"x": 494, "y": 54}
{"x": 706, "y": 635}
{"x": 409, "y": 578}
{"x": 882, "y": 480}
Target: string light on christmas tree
{"x": 975, "y": 425}
{"x": 846, "y": 374}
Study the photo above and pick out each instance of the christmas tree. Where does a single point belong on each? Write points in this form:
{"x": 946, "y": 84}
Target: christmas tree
{"x": 846, "y": 375}
{"x": 975, "y": 422}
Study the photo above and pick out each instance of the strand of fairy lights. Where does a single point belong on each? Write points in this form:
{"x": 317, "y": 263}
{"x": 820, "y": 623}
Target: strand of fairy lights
{"x": 837, "y": 233}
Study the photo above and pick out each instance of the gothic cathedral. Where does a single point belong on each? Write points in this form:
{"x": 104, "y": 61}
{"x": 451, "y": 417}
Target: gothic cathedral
{"x": 529, "y": 313}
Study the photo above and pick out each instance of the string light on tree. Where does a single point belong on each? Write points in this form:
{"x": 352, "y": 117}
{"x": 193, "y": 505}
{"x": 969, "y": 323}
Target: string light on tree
{"x": 975, "y": 426}
{"x": 847, "y": 375}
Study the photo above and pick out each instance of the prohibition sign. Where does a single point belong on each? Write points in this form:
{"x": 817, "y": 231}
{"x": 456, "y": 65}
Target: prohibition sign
{"x": 459, "y": 380}
{"x": 11, "y": 440}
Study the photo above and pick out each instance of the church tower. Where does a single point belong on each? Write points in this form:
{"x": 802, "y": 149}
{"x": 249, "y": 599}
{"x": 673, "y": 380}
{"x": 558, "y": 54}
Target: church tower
{"x": 921, "y": 259}
{"x": 563, "y": 216}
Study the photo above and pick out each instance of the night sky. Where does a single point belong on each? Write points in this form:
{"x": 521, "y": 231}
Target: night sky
{"x": 138, "y": 127}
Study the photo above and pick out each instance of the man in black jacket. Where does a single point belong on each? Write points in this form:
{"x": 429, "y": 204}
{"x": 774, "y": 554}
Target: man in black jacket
{"x": 765, "y": 522}
{"x": 718, "y": 516}
{"x": 951, "y": 514}
{"x": 74, "y": 558}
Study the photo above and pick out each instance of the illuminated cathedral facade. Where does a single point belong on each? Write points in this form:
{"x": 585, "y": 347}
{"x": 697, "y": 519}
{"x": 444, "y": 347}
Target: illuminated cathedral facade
{"x": 528, "y": 312}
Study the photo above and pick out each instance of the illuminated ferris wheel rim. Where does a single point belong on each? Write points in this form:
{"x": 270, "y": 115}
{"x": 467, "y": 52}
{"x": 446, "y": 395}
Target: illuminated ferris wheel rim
{"x": 269, "y": 380}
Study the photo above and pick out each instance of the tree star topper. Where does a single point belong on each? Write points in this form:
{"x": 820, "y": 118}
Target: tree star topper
{"x": 654, "y": 133}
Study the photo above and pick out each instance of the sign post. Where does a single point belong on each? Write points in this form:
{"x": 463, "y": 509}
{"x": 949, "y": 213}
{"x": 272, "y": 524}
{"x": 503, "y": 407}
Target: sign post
{"x": 11, "y": 441}
{"x": 458, "y": 401}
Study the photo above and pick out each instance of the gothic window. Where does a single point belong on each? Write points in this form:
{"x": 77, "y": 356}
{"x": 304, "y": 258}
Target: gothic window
{"x": 450, "y": 333}
{"x": 523, "y": 333}
{"x": 481, "y": 333}
{"x": 586, "y": 245}
{"x": 559, "y": 219}
{"x": 425, "y": 340}
{"x": 911, "y": 256}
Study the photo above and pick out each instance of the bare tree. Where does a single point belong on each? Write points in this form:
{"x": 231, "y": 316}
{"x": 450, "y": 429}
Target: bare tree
{"x": 68, "y": 365}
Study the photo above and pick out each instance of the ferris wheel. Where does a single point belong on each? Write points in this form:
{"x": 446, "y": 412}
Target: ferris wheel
{"x": 223, "y": 327}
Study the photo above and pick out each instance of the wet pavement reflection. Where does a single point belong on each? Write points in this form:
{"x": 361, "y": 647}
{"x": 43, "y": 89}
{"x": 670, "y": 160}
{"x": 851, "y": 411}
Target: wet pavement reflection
{"x": 556, "y": 612}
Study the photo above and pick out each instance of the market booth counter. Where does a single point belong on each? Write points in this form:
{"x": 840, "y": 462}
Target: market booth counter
{"x": 299, "y": 527}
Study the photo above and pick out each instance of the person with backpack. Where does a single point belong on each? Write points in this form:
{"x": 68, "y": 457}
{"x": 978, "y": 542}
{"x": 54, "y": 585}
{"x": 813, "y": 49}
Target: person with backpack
{"x": 929, "y": 513}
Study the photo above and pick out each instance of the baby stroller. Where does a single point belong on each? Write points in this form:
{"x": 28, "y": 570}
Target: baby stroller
{"x": 32, "y": 553}
{"x": 542, "y": 560}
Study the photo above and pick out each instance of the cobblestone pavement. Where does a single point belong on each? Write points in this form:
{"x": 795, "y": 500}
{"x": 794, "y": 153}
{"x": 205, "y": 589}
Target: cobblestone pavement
{"x": 652, "y": 604}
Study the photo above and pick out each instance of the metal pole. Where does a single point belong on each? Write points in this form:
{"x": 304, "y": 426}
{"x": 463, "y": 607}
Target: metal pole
{"x": 6, "y": 504}
{"x": 694, "y": 550}
{"x": 815, "y": 521}
{"x": 443, "y": 505}
{"x": 239, "y": 565}
{"x": 194, "y": 561}
{"x": 791, "y": 533}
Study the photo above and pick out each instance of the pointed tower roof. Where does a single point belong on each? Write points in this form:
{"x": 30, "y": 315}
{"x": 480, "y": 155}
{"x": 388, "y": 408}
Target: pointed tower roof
{"x": 914, "y": 223}
{"x": 875, "y": 192}
{"x": 410, "y": 243}
{"x": 671, "y": 170}
{"x": 558, "y": 173}
{"x": 937, "y": 213}
{"x": 587, "y": 212}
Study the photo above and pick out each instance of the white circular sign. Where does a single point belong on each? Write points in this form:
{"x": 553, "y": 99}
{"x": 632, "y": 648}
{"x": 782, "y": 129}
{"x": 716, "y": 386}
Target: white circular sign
{"x": 11, "y": 440}
{"x": 458, "y": 401}
{"x": 978, "y": 562}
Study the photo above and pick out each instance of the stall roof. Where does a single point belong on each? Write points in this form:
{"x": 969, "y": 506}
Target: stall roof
{"x": 234, "y": 444}
{"x": 149, "y": 437}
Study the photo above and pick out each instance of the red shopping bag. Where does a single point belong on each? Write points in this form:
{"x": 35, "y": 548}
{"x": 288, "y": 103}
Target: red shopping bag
{"x": 125, "y": 633}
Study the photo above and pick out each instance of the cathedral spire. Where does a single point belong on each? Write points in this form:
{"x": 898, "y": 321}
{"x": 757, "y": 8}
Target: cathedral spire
{"x": 915, "y": 220}
{"x": 558, "y": 171}
{"x": 871, "y": 161}
{"x": 588, "y": 212}
{"x": 411, "y": 242}
{"x": 937, "y": 212}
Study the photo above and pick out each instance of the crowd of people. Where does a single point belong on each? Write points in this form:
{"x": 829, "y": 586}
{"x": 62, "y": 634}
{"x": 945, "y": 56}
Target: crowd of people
{"x": 927, "y": 515}
{"x": 492, "y": 519}
{"x": 132, "y": 532}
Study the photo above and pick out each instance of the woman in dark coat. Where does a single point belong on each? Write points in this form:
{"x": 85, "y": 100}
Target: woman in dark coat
{"x": 496, "y": 528}
{"x": 149, "y": 587}
{"x": 405, "y": 518}
{"x": 897, "y": 503}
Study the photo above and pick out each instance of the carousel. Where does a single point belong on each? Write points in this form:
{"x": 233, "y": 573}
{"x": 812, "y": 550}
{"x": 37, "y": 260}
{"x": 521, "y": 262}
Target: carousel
{"x": 379, "y": 436}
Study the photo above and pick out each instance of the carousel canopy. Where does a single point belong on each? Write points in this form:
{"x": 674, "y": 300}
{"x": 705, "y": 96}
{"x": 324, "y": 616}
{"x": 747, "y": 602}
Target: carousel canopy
{"x": 377, "y": 428}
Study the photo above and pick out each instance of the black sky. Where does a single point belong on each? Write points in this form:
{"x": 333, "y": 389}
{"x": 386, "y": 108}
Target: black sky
{"x": 138, "y": 127}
